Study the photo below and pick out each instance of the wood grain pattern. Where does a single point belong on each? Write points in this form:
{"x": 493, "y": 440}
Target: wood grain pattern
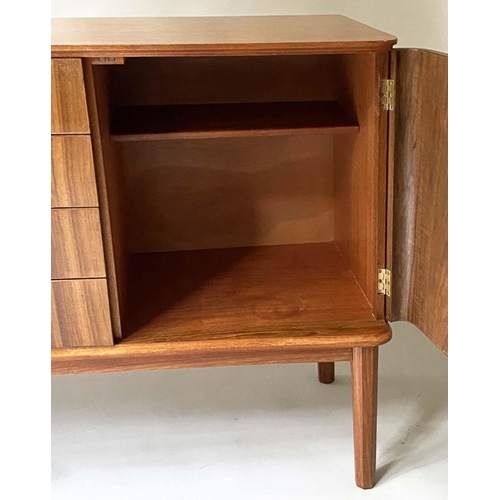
{"x": 337, "y": 334}
{"x": 80, "y": 313}
{"x": 73, "y": 176}
{"x": 205, "y": 121}
{"x": 69, "y": 105}
{"x": 77, "y": 244}
{"x": 319, "y": 342}
{"x": 110, "y": 185}
{"x": 185, "y": 195}
{"x": 187, "y": 36}
{"x": 326, "y": 372}
{"x": 174, "y": 293}
{"x": 364, "y": 368}
{"x": 420, "y": 240}
{"x": 356, "y": 160}
{"x": 165, "y": 356}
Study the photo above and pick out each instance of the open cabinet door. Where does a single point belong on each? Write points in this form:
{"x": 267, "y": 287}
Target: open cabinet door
{"x": 419, "y": 270}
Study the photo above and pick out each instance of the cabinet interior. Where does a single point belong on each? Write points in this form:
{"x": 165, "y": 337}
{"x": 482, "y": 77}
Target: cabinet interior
{"x": 242, "y": 192}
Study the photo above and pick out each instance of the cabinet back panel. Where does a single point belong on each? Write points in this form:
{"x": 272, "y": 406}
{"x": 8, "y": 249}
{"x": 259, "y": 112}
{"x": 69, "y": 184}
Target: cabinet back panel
{"x": 194, "y": 194}
{"x": 198, "y": 80}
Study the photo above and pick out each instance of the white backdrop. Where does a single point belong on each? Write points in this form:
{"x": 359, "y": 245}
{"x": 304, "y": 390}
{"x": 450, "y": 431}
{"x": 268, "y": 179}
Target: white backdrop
{"x": 420, "y": 23}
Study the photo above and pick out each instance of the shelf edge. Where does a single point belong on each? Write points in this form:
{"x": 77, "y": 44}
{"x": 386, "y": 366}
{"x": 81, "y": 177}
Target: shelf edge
{"x": 304, "y": 344}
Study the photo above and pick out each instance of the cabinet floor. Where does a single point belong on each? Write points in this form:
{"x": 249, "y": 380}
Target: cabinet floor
{"x": 177, "y": 295}
{"x": 266, "y": 432}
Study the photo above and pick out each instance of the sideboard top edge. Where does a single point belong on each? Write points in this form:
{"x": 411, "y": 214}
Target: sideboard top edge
{"x": 200, "y": 36}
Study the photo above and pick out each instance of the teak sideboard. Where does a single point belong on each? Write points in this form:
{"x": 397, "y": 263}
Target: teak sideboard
{"x": 245, "y": 190}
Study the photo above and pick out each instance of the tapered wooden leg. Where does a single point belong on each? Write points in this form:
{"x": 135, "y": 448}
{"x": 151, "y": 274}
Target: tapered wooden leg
{"x": 326, "y": 372}
{"x": 364, "y": 368}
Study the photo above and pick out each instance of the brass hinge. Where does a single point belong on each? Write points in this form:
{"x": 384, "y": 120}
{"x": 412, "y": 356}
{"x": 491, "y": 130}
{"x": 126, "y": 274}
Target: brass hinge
{"x": 387, "y": 95}
{"x": 384, "y": 282}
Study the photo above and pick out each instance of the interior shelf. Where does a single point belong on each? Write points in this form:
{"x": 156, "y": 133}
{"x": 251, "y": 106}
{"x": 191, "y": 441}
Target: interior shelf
{"x": 136, "y": 123}
{"x": 196, "y": 294}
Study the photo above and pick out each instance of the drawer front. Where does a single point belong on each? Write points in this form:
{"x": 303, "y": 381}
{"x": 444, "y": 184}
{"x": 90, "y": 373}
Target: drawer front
{"x": 80, "y": 313}
{"x": 73, "y": 176}
{"x": 77, "y": 250}
{"x": 69, "y": 105}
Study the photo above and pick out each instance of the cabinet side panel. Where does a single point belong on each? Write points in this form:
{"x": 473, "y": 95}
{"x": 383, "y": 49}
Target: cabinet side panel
{"x": 110, "y": 187}
{"x": 356, "y": 175}
{"x": 420, "y": 238}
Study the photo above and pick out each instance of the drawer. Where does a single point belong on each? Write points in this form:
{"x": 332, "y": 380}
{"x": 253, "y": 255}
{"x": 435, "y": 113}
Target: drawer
{"x": 73, "y": 175}
{"x": 80, "y": 313}
{"x": 69, "y": 105}
{"x": 77, "y": 250}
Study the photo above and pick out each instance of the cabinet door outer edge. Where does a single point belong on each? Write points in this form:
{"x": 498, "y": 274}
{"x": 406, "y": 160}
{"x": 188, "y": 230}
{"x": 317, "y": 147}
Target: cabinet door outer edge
{"x": 391, "y": 130}
{"x": 419, "y": 272}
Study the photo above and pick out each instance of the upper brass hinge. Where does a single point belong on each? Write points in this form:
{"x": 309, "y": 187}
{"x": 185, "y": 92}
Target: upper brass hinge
{"x": 384, "y": 282}
{"x": 387, "y": 95}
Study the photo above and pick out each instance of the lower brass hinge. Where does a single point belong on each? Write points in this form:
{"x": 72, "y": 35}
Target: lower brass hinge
{"x": 387, "y": 95}
{"x": 384, "y": 282}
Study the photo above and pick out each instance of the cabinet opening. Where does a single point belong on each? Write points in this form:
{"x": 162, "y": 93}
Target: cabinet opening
{"x": 243, "y": 193}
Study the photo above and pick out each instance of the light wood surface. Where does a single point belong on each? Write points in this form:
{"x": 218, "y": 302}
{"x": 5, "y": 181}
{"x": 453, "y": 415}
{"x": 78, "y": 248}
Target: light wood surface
{"x": 364, "y": 368}
{"x": 77, "y": 244}
{"x": 326, "y": 372}
{"x": 185, "y": 195}
{"x": 327, "y": 335}
{"x": 69, "y": 105}
{"x": 175, "y": 36}
{"x": 420, "y": 247}
{"x": 73, "y": 176}
{"x": 356, "y": 166}
{"x": 110, "y": 185}
{"x": 205, "y": 121}
{"x": 318, "y": 342}
{"x": 80, "y": 313}
{"x": 175, "y": 293}
{"x": 133, "y": 357}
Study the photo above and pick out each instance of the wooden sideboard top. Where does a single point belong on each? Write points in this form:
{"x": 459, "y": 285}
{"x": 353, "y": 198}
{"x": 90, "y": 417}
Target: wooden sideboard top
{"x": 191, "y": 36}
